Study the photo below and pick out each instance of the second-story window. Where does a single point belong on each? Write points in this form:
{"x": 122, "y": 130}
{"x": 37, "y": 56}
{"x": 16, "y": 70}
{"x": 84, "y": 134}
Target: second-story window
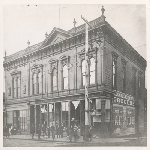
{"x": 139, "y": 84}
{"x": 34, "y": 83}
{"x": 134, "y": 82}
{"x": 16, "y": 78}
{"x": 54, "y": 80}
{"x": 14, "y": 87}
{"x": 83, "y": 72}
{"x": 92, "y": 71}
{"x": 37, "y": 78}
{"x": 123, "y": 75}
{"x": 65, "y": 77}
{"x": 18, "y": 87}
{"x": 123, "y": 78}
{"x": 114, "y": 72}
{"x": 39, "y": 83}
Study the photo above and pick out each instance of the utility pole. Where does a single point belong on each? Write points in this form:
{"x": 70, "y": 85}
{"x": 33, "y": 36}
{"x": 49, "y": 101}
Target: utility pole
{"x": 87, "y": 100}
{"x": 87, "y": 111}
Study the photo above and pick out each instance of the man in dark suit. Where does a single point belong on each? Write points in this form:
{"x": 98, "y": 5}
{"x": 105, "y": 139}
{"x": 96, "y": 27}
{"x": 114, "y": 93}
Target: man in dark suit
{"x": 57, "y": 130}
{"x": 48, "y": 129}
{"x": 53, "y": 131}
{"x": 39, "y": 131}
{"x": 32, "y": 130}
{"x": 61, "y": 130}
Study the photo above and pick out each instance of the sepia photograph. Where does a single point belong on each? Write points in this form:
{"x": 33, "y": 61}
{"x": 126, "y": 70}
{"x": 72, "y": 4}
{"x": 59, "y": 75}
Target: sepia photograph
{"x": 74, "y": 75}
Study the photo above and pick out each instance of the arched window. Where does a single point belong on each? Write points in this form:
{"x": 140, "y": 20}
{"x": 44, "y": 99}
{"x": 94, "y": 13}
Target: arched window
{"x": 123, "y": 78}
{"x": 83, "y": 72}
{"x": 54, "y": 80}
{"x": 39, "y": 83}
{"x": 14, "y": 87}
{"x": 92, "y": 71}
{"x": 114, "y": 63}
{"x": 18, "y": 88}
{"x": 34, "y": 83}
{"x": 65, "y": 77}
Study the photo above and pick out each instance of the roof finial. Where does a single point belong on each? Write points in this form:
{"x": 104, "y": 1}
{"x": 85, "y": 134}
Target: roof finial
{"x": 102, "y": 10}
{"x": 46, "y": 35}
{"x": 74, "y": 22}
{"x": 28, "y": 43}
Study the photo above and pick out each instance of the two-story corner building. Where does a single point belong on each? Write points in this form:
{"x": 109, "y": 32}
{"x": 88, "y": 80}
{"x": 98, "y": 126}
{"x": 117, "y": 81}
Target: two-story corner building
{"x": 45, "y": 82}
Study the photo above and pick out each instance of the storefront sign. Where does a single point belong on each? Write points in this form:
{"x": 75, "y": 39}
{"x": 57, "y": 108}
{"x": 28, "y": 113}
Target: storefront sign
{"x": 123, "y": 99}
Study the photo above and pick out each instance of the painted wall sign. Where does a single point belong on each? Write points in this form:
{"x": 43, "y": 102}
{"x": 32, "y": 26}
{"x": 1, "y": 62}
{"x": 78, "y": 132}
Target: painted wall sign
{"x": 123, "y": 99}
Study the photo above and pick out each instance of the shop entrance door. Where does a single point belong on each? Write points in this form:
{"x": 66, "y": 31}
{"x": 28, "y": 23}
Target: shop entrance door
{"x": 16, "y": 119}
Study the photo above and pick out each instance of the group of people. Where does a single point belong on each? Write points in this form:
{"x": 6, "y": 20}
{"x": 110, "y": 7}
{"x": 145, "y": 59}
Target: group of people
{"x": 53, "y": 131}
{"x": 10, "y": 130}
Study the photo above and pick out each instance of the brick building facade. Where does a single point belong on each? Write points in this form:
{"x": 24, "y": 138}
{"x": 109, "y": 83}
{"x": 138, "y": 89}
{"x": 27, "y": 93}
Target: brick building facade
{"x": 45, "y": 82}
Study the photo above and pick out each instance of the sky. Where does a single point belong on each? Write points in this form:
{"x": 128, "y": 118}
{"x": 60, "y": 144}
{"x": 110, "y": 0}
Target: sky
{"x": 30, "y": 22}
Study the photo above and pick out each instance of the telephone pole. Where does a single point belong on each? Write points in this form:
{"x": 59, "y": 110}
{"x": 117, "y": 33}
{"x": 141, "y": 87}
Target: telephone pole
{"x": 87, "y": 111}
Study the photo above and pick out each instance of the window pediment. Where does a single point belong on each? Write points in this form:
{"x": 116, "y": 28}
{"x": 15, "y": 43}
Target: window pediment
{"x": 91, "y": 53}
{"x": 53, "y": 64}
{"x": 64, "y": 60}
{"x": 16, "y": 73}
{"x": 36, "y": 67}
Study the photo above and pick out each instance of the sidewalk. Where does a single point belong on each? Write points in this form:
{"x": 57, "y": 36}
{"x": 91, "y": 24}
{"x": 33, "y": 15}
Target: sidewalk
{"x": 80, "y": 140}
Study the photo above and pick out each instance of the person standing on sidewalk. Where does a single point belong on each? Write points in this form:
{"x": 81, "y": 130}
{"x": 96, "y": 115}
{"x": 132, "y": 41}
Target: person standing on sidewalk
{"x": 32, "y": 130}
{"x": 71, "y": 129}
{"x": 53, "y": 131}
{"x": 61, "y": 130}
{"x": 39, "y": 131}
{"x": 44, "y": 130}
{"x": 57, "y": 130}
{"x": 48, "y": 129}
{"x": 90, "y": 133}
{"x": 7, "y": 131}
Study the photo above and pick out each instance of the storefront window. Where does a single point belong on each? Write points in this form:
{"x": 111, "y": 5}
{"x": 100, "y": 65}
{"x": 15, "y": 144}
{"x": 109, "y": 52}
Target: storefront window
{"x": 64, "y": 106}
{"x": 51, "y": 114}
{"x": 23, "y": 120}
{"x": 123, "y": 117}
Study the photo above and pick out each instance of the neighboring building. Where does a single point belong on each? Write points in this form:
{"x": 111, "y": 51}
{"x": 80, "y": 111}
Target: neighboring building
{"x": 45, "y": 82}
{"x": 4, "y": 111}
